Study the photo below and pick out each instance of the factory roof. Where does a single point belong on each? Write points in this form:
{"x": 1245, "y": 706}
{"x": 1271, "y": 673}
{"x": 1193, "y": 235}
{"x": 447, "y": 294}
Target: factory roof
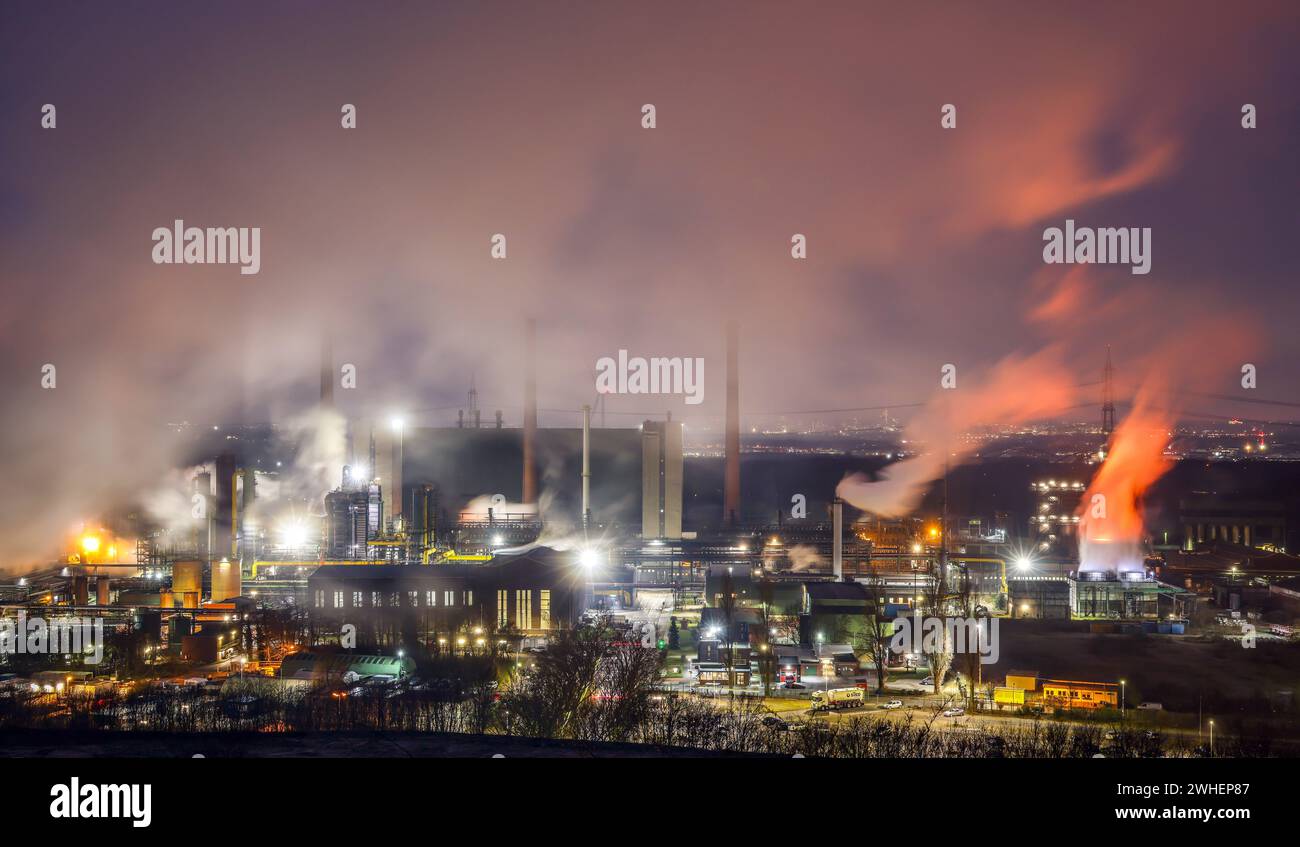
{"x": 308, "y": 665}
{"x": 388, "y": 572}
{"x": 1221, "y": 556}
{"x": 833, "y": 591}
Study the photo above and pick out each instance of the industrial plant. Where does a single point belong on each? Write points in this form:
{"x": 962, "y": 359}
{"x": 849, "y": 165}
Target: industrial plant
{"x": 736, "y": 382}
{"x": 432, "y": 538}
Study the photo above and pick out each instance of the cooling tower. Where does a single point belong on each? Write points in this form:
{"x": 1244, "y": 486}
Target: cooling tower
{"x": 1103, "y": 559}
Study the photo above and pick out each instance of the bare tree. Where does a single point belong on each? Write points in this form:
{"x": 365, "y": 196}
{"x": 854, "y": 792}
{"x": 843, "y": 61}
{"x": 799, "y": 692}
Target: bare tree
{"x": 879, "y": 630}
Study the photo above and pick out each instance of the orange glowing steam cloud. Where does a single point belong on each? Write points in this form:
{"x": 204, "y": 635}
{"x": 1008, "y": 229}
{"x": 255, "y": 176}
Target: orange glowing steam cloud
{"x": 1110, "y": 514}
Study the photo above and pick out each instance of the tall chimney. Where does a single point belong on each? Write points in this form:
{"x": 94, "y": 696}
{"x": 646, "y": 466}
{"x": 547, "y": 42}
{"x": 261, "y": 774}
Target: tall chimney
{"x": 731, "y": 489}
{"x": 327, "y": 371}
{"x": 530, "y": 415}
{"x": 586, "y": 467}
{"x": 837, "y": 542}
{"x": 395, "y": 481}
{"x": 223, "y": 520}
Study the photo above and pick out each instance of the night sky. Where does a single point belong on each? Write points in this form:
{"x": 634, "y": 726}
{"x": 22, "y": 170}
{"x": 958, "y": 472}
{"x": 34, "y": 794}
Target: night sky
{"x": 924, "y": 243}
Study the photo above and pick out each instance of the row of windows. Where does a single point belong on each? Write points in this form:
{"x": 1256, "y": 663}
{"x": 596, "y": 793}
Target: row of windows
{"x": 428, "y": 599}
{"x": 524, "y": 609}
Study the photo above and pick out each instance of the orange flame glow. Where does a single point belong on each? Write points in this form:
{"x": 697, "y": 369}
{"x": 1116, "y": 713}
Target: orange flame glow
{"x": 1111, "y": 510}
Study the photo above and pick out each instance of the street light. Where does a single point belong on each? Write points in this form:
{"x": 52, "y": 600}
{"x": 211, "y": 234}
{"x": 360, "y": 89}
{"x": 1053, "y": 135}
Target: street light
{"x": 1211, "y": 738}
{"x": 1123, "y": 698}
{"x": 821, "y": 669}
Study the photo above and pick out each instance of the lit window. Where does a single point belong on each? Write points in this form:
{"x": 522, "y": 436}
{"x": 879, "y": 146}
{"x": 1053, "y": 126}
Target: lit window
{"x": 524, "y": 609}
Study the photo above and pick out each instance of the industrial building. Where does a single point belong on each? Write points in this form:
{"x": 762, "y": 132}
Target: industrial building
{"x": 530, "y": 594}
{"x": 661, "y": 479}
{"x": 1247, "y": 523}
{"x": 354, "y": 516}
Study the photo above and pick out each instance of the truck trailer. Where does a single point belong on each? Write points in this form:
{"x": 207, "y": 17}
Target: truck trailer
{"x": 838, "y": 698}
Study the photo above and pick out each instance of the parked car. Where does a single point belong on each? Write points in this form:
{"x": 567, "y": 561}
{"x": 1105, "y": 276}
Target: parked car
{"x": 1150, "y": 707}
{"x": 954, "y": 712}
{"x": 893, "y": 704}
{"x": 929, "y": 680}
{"x": 773, "y": 722}
{"x": 793, "y": 685}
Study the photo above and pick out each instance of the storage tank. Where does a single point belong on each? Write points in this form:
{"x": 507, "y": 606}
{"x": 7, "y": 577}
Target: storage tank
{"x": 226, "y": 582}
{"x": 187, "y": 578}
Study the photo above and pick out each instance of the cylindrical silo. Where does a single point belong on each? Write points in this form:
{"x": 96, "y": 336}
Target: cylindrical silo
{"x": 187, "y": 576}
{"x": 226, "y": 581}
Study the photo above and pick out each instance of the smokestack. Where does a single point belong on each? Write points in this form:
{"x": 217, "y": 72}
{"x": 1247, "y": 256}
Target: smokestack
{"x": 327, "y": 371}
{"x": 398, "y": 457}
{"x": 530, "y": 416}
{"x": 239, "y": 519}
{"x": 731, "y": 491}
{"x": 223, "y": 521}
{"x": 837, "y": 542}
{"x": 586, "y": 467}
